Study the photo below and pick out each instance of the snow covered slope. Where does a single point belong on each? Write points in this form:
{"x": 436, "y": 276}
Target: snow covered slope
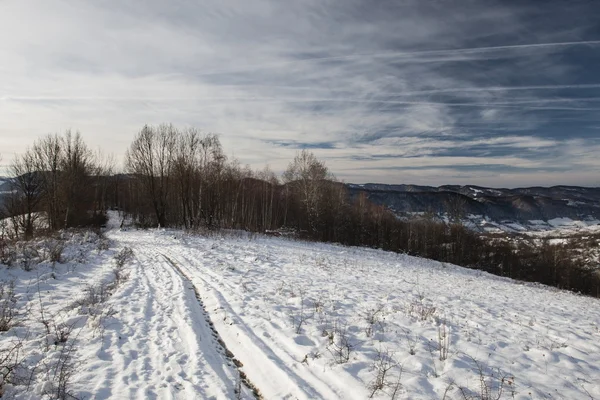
{"x": 213, "y": 317}
{"x": 321, "y": 321}
{"x": 82, "y": 329}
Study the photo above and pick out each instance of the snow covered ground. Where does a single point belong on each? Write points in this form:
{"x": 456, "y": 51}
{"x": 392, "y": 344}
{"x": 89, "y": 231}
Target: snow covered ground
{"x": 201, "y": 317}
{"x": 552, "y": 227}
{"x": 10, "y": 227}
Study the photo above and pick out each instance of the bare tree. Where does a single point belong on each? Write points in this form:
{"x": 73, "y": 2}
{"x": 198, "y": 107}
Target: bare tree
{"x": 212, "y": 166}
{"x": 150, "y": 158}
{"x": 185, "y": 170}
{"x": 269, "y": 186}
{"x": 307, "y": 176}
{"x": 56, "y": 176}
{"x": 77, "y": 166}
{"x": 104, "y": 173}
{"x": 455, "y": 207}
{"x": 48, "y": 155}
{"x": 26, "y": 185}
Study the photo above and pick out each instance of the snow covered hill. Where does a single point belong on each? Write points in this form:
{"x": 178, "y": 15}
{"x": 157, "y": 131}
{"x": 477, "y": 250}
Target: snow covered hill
{"x": 532, "y": 208}
{"x": 320, "y": 321}
{"x": 211, "y": 317}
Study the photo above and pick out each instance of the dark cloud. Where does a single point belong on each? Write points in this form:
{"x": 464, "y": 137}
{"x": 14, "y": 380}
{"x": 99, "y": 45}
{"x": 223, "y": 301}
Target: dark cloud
{"x": 300, "y": 145}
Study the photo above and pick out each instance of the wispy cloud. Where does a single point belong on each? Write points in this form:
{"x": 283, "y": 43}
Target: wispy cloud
{"x": 426, "y": 92}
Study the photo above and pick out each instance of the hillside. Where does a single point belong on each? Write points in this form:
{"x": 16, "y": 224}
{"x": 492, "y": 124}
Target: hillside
{"x": 521, "y": 205}
{"x": 4, "y": 188}
{"x": 200, "y": 317}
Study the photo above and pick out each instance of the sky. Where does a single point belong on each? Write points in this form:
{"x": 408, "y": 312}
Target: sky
{"x": 493, "y": 93}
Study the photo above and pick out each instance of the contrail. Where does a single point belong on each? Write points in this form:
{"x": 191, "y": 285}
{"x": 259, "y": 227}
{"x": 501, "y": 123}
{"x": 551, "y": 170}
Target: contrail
{"x": 503, "y": 88}
{"x": 145, "y": 100}
{"x": 403, "y": 54}
{"x": 258, "y": 98}
{"x": 464, "y": 50}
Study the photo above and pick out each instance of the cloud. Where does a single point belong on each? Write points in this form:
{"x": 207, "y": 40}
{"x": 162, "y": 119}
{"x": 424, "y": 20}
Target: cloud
{"x": 449, "y": 92}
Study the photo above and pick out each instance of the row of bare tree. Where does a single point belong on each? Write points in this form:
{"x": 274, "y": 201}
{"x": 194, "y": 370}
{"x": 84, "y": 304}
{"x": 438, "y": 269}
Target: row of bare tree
{"x": 182, "y": 178}
{"x": 58, "y": 180}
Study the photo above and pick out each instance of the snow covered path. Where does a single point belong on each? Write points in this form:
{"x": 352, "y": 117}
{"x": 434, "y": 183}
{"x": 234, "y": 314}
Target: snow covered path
{"x": 162, "y": 346}
{"x": 271, "y": 365}
{"x": 165, "y": 304}
{"x": 281, "y": 308}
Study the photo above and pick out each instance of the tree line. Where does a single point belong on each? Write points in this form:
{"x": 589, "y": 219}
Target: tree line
{"x": 58, "y": 180}
{"x": 182, "y": 178}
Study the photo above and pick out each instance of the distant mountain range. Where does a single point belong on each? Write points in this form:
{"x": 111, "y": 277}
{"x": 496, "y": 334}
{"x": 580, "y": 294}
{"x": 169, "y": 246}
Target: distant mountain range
{"x": 520, "y": 205}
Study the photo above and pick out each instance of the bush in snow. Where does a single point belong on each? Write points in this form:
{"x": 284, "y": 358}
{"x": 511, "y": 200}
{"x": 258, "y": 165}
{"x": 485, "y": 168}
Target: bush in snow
{"x": 94, "y": 295}
{"x": 300, "y": 318}
{"x": 8, "y": 305}
{"x": 384, "y": 365}
{"x": 10, "y": 363}
{"x": 55, "y": 250}
{"x": 103, "y": 244}
{"x": 493, "y": 384}
{"x": 373, "y": 316}
{"x": 61, "y": 367}
{"x": 122, "y": 258}
{"x": 340, "y": 343}
{"x": 420, "y": 309}
{"x": 27, "y": 256}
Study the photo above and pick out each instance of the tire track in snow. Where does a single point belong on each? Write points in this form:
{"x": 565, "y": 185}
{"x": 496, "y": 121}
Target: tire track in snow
{"x": 270, "y": 364}
{"x": 161, "y": 346}
{"x": 202, "y": 357}
{"x": 255, "y": 391}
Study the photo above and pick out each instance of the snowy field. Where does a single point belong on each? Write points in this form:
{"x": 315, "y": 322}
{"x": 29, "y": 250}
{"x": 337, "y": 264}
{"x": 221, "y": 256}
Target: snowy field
{"x": 551, "y": 227}
{"x": 210, "y": 317}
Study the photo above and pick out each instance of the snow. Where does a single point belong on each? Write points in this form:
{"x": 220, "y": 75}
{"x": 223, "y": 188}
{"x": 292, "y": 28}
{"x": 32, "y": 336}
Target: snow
{"x": 49, "y": 292}
{"x": 475, "y": 191}
{"x": 516, "y": 227}
{"x": 556, "y": 226}
{"x": 558, "y": 241}
{"x": 8, "y": 226}
{"x": 563, "y": 227}
{"x": 557, "y": 222}
{"x": 161, "y": 346}
{"x": 275, "y": 303}
{"x": 257, "y": 291}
